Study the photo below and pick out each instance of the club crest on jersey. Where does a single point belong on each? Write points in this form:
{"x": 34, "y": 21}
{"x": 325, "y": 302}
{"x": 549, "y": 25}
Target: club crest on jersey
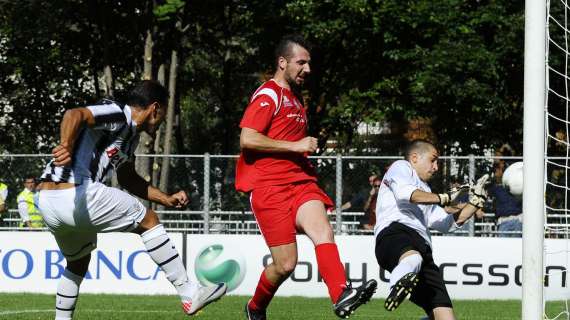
{"x": 297, "y": 104}
{"x": 287, "y": 102}
{"x": 116, "y": 156}
{"x": 111, "y": 151}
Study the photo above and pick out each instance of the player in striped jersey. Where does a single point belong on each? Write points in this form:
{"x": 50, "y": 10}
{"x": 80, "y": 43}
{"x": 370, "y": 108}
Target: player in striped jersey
{"x": 76, "y": 204}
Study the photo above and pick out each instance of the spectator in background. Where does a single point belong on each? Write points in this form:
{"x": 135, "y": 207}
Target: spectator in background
{"x": 507, "y": 208}
{"x": 369, "y": 219}
{"x": 3, "y": 197}
{"x": 500, "y": 163}
{"x": 27, "y": 205}
{"x": 557, "y": 172}
{"x": 361, "y": 200}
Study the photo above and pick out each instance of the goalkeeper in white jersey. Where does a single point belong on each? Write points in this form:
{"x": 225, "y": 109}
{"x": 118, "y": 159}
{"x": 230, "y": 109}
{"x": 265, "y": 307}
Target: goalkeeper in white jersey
{"x": 405, "y": 209}
{"x": 76, "y": 204}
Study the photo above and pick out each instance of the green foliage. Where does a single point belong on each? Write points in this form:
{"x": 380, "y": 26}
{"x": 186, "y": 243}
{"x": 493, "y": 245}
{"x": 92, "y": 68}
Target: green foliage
{"x": 455, "y": 62}
{"x": 164, "y": 12}
{"x": 458, "y": 63}
{"x": 53, "y": 54}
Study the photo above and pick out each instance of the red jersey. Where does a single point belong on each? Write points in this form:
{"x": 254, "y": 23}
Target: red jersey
{"x": 275, "y": 112}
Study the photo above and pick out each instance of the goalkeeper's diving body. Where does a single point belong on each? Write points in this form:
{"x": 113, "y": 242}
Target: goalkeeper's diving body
{"x": 76, "y": 204}
{"x": 405, "y": 209}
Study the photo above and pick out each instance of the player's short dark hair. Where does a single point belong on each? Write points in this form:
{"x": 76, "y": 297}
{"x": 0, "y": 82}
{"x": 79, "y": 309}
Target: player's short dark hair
{"x": 417, "y": 145}
{"x": 285, "y": 46}
{"x": 29, "y": 177}
{"x": 146, "y": 93}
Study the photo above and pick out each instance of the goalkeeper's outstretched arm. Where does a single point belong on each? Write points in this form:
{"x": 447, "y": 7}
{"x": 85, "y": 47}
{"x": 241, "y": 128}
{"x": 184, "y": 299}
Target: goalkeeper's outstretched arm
{"x": 442, "y": 199}
{"x": 463, "y": 212}
{"x": 477, "y": 198}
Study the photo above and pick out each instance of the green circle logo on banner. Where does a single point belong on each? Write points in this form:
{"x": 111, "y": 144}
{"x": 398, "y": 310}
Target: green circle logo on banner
{"x": 215, "y": 264}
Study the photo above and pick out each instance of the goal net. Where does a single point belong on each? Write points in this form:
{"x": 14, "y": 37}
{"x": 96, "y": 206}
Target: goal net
{"x": 556, "y": 245}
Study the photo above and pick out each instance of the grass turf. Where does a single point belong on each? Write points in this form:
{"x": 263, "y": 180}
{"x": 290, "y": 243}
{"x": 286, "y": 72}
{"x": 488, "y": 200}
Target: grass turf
{"x": 126, "y": 307}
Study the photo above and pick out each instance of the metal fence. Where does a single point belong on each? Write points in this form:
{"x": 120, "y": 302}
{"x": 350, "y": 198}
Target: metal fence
{"x": 216, "y": 207}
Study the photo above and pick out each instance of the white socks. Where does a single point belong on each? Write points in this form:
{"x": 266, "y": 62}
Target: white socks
{"x": 411, "y": 263}
{"x": 164, "y": 254}
{"x": 67, "y": 292}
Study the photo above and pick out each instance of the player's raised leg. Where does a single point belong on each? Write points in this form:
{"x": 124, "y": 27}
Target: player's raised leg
{"x": 403, "y": 279}
{"x": 284, "y": 261}
{"x": 68, "y": 287}
{"x": 312, "y": 219}
{"x": 164, "y": 254}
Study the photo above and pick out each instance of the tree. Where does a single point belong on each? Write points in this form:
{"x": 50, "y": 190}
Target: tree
{"x": 457, "y": 63}
{"x": 453, "y": 61}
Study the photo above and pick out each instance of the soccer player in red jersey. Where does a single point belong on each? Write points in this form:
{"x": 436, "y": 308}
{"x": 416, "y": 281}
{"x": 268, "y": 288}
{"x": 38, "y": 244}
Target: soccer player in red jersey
{"x": 273, "y": 167}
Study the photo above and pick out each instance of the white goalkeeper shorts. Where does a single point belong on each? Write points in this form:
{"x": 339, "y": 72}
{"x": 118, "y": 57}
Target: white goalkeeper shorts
{"x": 76, "y": 215}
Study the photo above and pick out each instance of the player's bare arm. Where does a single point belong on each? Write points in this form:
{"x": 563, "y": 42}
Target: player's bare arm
{"x": 71, "y": 124}
{"x": 442, "y": 199}
{"x": 253, "y": 140}
{"x": 463, "y": 212}
{"x": 422, "y": 197}
{"x": 477, "y": 197}
{"x": 129, "y": 179}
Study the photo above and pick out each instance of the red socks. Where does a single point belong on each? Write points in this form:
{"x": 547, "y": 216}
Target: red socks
{"x": 263, "y": 293}
{"x": 331, "y": 269}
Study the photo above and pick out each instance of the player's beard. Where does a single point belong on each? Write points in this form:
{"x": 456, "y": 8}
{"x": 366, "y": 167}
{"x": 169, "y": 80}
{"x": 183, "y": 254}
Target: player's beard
{"x": 295, "y": 87}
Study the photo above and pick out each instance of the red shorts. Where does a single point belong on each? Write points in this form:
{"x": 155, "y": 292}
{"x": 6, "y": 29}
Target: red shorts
{"x": 275, "y": 209}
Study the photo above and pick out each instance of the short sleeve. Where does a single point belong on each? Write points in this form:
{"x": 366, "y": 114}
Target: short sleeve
{"x": 109, "y": 117}
{"x": 440, "y": 220}
{"x": 401, "y": 180}
{"x": 121, "y": 151}
{"x": 131, "y": 154}
{"x": 258, "y": 114}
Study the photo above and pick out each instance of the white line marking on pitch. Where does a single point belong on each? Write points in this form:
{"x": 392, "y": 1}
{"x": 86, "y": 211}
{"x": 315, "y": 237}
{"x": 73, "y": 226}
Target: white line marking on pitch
{"x": 10, "y": 312}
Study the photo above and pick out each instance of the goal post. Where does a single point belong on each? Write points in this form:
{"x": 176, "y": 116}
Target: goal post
{"x": 534, "y": 158}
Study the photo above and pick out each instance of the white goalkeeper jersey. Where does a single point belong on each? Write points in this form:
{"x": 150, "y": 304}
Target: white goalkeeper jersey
{"x": 100, "y": 149}
{"x": 394, "y": 205}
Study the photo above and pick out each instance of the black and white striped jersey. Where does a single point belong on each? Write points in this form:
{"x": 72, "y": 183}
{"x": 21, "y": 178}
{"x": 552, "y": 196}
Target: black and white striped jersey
{"x": 100, "y": 149}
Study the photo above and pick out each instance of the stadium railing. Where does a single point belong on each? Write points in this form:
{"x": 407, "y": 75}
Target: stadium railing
{"x": 217, "y": 208}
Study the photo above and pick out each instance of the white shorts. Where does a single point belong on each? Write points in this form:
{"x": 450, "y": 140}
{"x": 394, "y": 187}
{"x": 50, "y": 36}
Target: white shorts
{"x": 76, "y": 215}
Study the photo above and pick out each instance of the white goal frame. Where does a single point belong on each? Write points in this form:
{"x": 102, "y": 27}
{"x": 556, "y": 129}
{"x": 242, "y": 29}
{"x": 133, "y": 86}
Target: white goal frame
{"x": 534, "y": 158}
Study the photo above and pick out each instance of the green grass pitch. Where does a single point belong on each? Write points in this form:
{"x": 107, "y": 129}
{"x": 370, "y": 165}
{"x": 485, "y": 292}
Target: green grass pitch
{"x": 135, "y": 307}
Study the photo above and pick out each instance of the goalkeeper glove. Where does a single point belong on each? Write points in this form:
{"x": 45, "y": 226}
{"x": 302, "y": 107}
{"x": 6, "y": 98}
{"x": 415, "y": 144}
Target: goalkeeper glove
{"x": 477, "y": 193}
{"x": 452, "y": 194}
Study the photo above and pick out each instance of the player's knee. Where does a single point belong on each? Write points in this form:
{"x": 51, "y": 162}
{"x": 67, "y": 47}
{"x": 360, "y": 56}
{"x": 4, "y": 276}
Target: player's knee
{"x": 149, "y": 221}
{"x": 442, "y": 313}
{"x": 414, "y": 261}
{"x": 286, "y": 266}
{"x": 328, "y": 233}
{"x": 323, "y": 234}
{"x": 80, "y": 266}
{"x": 324, "y": 238}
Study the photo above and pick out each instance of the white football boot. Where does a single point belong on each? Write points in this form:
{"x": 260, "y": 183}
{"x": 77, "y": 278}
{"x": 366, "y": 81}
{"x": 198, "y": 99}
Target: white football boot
{"x": 203, "y": 297}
